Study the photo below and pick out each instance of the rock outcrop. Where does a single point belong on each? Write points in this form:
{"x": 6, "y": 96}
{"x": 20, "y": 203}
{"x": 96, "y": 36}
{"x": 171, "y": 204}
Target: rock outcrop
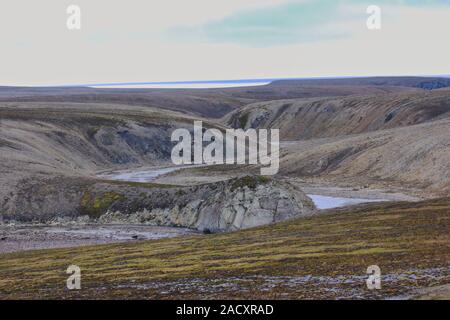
{"x": 235, "y": 204}
{"x": 223, "y": 206}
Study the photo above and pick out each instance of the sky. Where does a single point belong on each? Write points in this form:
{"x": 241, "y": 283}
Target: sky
{"x": 138, "y": 41}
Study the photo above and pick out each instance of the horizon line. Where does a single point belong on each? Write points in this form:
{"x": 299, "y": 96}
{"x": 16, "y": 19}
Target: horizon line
{"x": 219, "y": 81}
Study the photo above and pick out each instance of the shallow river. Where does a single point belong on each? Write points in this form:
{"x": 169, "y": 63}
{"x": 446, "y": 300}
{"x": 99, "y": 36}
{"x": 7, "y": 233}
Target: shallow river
{"x": 321, "y": 202}
{"x": 326, "y": 202}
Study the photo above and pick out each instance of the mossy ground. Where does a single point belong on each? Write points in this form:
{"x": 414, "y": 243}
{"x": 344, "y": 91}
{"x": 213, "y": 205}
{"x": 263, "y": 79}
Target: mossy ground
{"x": 250, "y": 182}
{"x": 95, "y": 204}
{"x": 401, "y": 238}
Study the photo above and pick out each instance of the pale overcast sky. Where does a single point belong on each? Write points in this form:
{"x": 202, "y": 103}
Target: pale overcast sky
{"x": 178, "y": 40}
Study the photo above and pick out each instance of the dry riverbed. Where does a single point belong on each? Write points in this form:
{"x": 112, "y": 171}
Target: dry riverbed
{"x": 31, "y": 237}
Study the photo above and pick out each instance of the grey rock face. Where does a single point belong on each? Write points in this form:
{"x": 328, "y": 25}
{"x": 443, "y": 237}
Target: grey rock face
{"x": 224, "y": 206}
{"x": 220, "y": 206}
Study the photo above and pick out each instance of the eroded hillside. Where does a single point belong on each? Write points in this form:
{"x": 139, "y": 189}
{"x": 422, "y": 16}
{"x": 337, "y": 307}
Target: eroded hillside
{"x": 50, "y": 153}
{"x": 413, "y": 157}
{"x": 302, "y": 119}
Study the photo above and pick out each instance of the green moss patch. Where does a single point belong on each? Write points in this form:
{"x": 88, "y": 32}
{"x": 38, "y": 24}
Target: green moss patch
{"x": 250, "y": 182}
{"x": 94, "y": 205}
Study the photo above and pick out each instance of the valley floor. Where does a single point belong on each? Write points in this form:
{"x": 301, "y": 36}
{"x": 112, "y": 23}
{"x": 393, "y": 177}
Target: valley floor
{"x": 14, "y": 238}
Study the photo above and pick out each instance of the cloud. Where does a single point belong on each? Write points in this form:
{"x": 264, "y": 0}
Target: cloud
{"x": 288, "y": 23}
{"x": 285, "y": 23}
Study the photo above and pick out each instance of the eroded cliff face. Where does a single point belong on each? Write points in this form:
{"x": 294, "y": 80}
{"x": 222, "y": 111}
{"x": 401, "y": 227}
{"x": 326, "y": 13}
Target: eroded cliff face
{"x": 221, "y": 206}
{"x": 302, "y": 119}
{"x": 224, "y": 206}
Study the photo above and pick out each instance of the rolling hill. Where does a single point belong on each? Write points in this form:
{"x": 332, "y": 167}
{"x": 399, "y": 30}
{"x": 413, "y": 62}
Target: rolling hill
{"x": 300, "y": 119}
{"x": 213, "y": 103}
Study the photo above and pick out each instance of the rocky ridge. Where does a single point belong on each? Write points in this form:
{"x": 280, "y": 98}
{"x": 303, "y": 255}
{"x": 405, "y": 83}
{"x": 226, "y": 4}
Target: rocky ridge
{"x": 230, "y": 205}
{"x": 234, "y": 204}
